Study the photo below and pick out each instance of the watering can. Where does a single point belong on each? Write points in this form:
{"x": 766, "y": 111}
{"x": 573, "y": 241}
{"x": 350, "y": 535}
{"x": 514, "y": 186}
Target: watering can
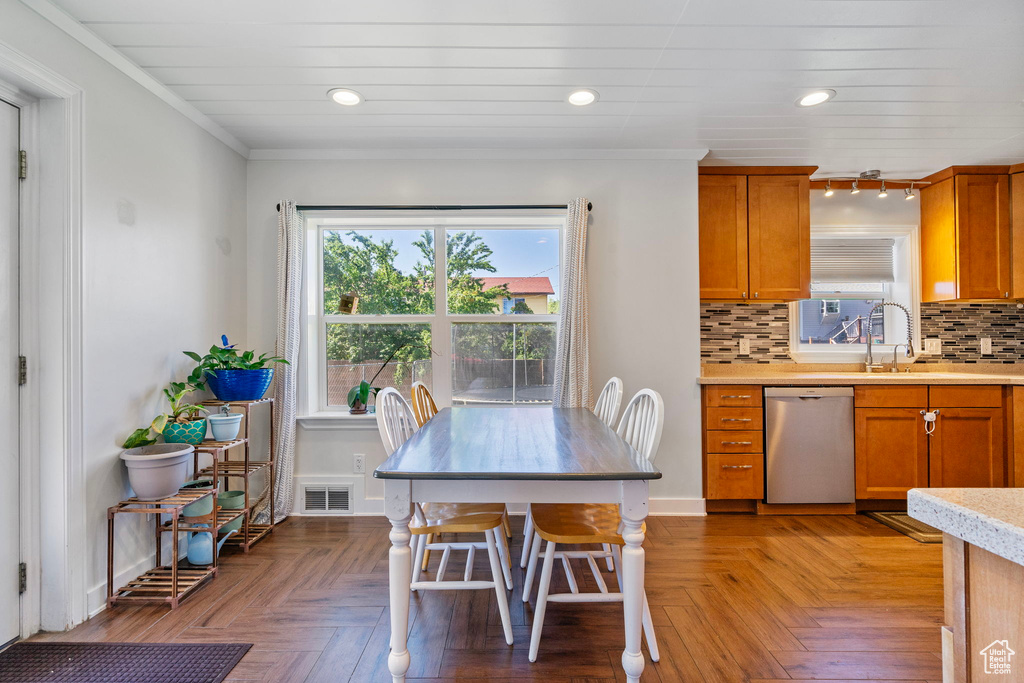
{"x": 200, "y": 546}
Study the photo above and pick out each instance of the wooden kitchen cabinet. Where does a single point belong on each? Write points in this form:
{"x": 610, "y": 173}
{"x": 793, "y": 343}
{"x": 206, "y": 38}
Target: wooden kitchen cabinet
{"x": 968, "y": 449}
{"x": 722, "y": 201}
{"x": 891, "y": 452}
{"x": 1017, "y": 235}
{"x": 779, "y": 237}
{"x": 755, "y": 233}
{"x": 965, "y": 238}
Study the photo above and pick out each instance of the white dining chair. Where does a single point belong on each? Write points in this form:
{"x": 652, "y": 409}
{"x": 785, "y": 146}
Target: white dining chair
{"x": 396, "y": 423}
{"x": 606, "y": 409}
{"x": 562, "y": 523}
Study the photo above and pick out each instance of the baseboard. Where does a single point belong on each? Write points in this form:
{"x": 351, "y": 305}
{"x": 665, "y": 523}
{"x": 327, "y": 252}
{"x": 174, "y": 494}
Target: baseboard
{"x": 97, "y": 596}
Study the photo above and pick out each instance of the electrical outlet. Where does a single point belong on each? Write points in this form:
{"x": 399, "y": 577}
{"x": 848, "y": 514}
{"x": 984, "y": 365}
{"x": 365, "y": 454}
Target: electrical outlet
{"x": 986, "y": 346}
{"x": 933, "y": 346}
{"x": 359, "y": 463}
{"x": 744, "y": 346}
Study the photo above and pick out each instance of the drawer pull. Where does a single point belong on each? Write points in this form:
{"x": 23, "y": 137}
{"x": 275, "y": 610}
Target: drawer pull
{"x": 738, "y": 396}
{"x": 735, "y": 419}
{"x": 737, "y": 443}
{"x": 737, "y": 467}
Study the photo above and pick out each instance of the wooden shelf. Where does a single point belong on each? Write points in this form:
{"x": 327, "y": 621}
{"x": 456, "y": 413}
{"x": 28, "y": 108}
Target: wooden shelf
{"x": 233, "y": 468}
{"x": 211, "y": 446}
{"x": 256, "y": 533}
{"x": 214, "y": 402}
{"x": 158, "y": 585}
{"x": 194, "y": 523}
{"x": 175, "y": 503}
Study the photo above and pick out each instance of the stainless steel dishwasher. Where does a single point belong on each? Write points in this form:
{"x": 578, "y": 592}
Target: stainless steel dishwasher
{"x": 809, "y": 450}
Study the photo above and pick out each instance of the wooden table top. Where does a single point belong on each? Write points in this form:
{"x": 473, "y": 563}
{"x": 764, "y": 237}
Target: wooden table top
{"x": 513, "y": 442}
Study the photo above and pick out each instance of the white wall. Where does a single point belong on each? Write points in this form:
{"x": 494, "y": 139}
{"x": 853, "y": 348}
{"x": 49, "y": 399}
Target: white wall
{"x": 164, "y": 262}
{"x": 642, "y": 259}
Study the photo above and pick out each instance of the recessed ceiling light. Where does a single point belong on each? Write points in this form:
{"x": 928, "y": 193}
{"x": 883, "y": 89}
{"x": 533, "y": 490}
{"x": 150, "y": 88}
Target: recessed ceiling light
{"x": 345, "y": 96}
{"x": 816, "y": 97}
{"x": 583, "y": 97}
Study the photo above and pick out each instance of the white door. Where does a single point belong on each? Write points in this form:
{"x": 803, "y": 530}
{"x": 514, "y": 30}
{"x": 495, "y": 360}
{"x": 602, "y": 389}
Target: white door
{"x": 10, "y": 547}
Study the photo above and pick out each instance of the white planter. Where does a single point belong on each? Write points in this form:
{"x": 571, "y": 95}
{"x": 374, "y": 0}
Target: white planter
{"x": 224, "y": 427}
{"x": 157, "y": 471}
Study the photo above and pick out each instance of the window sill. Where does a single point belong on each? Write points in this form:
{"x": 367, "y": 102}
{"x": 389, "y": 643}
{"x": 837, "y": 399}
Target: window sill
{"x": 336, "y": 421}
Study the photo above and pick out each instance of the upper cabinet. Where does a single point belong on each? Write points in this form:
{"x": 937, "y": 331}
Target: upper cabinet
{"x": 965, "y": 237}
{"x": 1017, "y": 232}
{"x": 755, "y": 233}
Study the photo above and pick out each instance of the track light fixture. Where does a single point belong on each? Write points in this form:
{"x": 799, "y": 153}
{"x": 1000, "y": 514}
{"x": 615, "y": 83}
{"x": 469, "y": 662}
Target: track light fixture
{"x": 871, "y": 177}
{"x": 855, "y": 189}
{"x": 882, "y": 194}
{"x": 828, "y": 188}
{"x": 909, "y": 192}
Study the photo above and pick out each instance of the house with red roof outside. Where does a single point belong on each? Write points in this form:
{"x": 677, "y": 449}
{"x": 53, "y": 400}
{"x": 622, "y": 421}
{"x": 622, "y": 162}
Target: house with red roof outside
{"x": 534, "y": 292}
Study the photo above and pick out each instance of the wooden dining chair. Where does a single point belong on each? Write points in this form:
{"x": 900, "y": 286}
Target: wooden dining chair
{"x": 606, "y": 409}
{"x": 423, "y": 406}
{"x": 396, "y": 423}
{"x": 563, "y": 523}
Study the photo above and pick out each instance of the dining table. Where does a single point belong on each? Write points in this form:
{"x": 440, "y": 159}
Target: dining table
{"x": 516, "y": 454}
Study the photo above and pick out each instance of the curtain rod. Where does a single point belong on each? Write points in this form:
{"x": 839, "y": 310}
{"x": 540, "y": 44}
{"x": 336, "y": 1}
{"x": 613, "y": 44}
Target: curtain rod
{"x": 432, "y": 207}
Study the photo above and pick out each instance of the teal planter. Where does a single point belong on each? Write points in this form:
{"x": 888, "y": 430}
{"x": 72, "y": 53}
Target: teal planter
{"x": 200, "y": 508}
{"x": 231, "y": 500}
{"x": 191, "y": 433}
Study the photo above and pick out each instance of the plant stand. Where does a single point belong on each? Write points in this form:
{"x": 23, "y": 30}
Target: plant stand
{"x": 223, "y": 469}
{"x": 162, "y": 584}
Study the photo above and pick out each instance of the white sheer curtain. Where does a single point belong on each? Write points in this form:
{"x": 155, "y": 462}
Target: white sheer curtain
{"x": 290, "y": 234}
{"x": 572, "y": 358}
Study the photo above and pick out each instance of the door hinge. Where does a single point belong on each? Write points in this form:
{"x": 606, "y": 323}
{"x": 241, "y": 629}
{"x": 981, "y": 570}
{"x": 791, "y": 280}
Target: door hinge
{"x": 22, "y": 164}
{"x": 22, "y": 578}
{"x": 22, "y": 371}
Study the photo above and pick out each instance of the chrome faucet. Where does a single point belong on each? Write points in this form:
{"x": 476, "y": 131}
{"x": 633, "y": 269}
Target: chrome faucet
{"x": 869, "y": 363}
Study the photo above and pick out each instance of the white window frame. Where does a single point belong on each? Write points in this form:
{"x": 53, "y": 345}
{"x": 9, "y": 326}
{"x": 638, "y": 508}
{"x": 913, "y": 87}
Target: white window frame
{"x": 313, "y": 352}
{"x": 894, "y": 319}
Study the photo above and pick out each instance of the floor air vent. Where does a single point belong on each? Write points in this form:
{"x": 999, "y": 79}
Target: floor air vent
{"x": 322, "y": 499}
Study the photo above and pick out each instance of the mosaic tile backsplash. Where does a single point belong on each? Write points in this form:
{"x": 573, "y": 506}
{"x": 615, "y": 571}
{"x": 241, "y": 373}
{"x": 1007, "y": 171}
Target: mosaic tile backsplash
{"x": 959, "y": 326}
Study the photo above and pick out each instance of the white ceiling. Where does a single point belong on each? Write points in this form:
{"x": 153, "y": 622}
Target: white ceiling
{"x": 922, "y": 84}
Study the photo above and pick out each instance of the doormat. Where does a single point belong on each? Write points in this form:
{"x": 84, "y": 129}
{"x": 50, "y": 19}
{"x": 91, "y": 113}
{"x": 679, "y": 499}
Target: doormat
{"x": 908, "y": 526}
{"x": 52, "y": 662}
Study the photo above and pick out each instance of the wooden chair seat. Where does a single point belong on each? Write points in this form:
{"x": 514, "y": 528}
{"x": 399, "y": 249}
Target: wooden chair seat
{"x": 455, "y": 518}
{"x": 576, "y": 523}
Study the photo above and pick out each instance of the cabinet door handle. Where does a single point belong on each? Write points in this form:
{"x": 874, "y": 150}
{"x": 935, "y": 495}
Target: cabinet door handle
{"x": 735, "y": 419}
{"x": 736, "y": 443}
{"x": 737, "y": 467}
{"x": 737, "y": 396}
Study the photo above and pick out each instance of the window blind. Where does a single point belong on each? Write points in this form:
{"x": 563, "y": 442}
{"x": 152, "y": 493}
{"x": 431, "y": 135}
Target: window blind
{"x": 852, "y": 260}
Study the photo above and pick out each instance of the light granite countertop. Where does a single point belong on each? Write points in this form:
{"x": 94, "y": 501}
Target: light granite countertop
{"x": 992, "y": 519}
{"x": 842, "y": 378}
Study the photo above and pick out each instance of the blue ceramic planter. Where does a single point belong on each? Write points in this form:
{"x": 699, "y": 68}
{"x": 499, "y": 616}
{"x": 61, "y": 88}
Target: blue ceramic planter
{"x": 239, "y": 385}
{"x": 191, "y": 433}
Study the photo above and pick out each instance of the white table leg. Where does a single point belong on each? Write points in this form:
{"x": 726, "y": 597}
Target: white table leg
{"x": 398, "y": 508}
{"x": 633, "y": 509}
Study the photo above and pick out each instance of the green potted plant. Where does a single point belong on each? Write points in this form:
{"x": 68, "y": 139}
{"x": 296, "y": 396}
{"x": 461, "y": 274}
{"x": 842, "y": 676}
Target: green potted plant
{"x": 233, "y": 375}
{"x": 185, "y": 422}
{"x": 359, "y": 395}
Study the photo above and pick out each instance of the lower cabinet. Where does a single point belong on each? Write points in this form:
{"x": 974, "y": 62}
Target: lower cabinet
{"x": 891, "y": 452}
{"x": 968, "y": 449}
{"x": 735, "y": 476}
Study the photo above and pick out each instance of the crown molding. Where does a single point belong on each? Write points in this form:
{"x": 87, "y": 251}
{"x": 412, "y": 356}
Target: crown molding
{"x": 477, "y": 154}
{"x": 64, "y": 21}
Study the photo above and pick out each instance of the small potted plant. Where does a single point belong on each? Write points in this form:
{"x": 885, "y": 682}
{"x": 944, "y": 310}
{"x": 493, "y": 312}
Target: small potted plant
{"x": 185, "y": 422}
{"x": 359, "y": 395}
{"x": 233, "y": 375}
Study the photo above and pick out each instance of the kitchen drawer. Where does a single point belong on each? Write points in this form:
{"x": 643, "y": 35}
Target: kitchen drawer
{"x": 965, "y": 396}
{"x": 745, "y": 419}
{"x": 735, "y": 476}
{"x": 728, "y": 441}
{"x": 903, "y": 396}
{"x": 733, "y": 395}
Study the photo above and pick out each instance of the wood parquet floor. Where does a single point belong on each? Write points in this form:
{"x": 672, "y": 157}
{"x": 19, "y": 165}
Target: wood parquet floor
{"x": 735, "y": 599}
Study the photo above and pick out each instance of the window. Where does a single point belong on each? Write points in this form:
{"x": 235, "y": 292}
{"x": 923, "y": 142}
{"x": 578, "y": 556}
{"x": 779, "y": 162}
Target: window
{"x": 475, "y": 321}
{"x": 851, "y": 272}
